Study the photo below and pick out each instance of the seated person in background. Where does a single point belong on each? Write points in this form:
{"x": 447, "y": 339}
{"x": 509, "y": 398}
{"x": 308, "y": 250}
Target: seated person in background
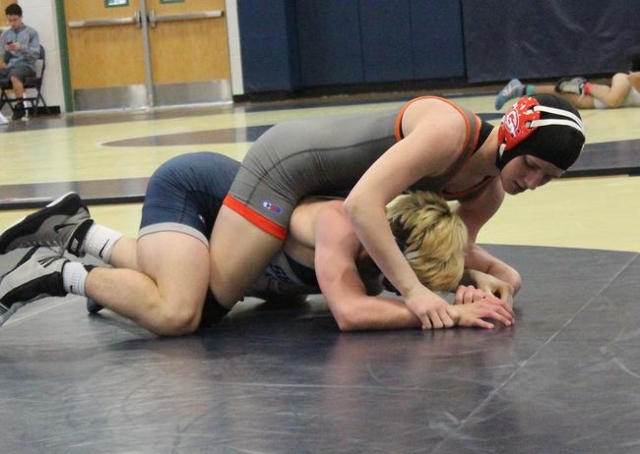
{"x": 161, "y": 281}
{"x": 21, "y": 46}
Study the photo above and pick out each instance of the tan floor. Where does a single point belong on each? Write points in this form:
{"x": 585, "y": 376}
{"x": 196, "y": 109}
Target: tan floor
{"x": 600, "y": 213}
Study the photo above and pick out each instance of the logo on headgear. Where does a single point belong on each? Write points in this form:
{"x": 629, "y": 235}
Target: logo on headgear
{"x": 512, "y": 121}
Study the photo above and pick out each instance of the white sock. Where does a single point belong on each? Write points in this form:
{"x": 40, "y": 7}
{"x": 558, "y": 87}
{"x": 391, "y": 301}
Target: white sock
{"x": 99, "y": 241}
{"x": 74, "y": 277}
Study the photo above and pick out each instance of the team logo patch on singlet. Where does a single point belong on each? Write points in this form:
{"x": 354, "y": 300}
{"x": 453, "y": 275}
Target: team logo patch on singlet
{"x": 270, "y": 206}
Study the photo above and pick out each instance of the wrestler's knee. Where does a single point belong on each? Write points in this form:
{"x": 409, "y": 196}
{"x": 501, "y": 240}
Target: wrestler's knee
{"x": 178, "y": 321}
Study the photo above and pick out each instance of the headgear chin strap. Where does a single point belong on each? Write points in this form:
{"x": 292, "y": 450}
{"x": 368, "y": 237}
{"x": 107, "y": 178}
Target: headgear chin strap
{"x": 559, "y": 146}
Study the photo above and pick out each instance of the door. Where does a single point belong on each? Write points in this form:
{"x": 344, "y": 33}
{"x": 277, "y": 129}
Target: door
{"x": 189, "y": 50}
{"x": 146, "y": 53}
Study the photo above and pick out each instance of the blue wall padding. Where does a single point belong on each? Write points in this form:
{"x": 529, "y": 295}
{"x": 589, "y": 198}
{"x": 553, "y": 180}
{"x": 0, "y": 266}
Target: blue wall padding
{"x": 329, "y": 42}
{"x": 268, "y": 43}
{"x": 386, "y": 38}
{"x": 292, "y": 44}
{"x": 437, "y": 42}
{"x": 549, "y": 38}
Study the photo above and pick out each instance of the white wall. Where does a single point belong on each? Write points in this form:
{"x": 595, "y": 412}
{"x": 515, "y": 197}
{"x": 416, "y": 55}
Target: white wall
{"x": 41, "y": 15}
{"x": 237, "y": 86}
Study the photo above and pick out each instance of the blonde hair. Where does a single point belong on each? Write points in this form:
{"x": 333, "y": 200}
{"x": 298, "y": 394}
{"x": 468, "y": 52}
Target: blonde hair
{"x": 431, "y": 236}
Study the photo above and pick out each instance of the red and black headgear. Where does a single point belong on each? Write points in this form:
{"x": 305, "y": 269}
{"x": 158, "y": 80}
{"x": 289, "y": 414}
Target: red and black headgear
{"x": 542, "y": 125}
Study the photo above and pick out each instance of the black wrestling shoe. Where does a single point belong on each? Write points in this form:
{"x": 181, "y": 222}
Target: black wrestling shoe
{"x": 37, "y": 274}
{"x": 63, "y": 223}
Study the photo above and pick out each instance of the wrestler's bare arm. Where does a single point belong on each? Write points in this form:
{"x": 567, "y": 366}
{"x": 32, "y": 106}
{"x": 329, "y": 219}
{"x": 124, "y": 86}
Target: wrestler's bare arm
{"x": 431, "y": 144}
{"x": 475, "y": 212}
{"x": 337, "y": 250}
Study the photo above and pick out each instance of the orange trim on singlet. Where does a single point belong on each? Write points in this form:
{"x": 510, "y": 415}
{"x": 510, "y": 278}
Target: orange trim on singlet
{"x": 255, "y": 218}
{"x": 398, "y": 128}
{"x": 468, "y": 148}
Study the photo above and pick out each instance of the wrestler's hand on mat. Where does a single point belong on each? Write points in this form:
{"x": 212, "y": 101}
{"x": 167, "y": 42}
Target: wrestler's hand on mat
{"x": 493, "y": 286}
{"x": 467, "y": 294}
{"x": 479, "y": 312}
{"x": 433, "y": 311}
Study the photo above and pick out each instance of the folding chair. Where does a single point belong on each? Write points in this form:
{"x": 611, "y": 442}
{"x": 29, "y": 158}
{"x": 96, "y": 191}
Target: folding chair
{"x": 30, "y": 83}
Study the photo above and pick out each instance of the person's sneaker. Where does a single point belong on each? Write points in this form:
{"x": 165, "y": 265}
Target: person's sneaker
{"x": 63, "y": 223}
{"x": 37, "y": 274}
{"x": 573, "y": 85}
{"x": 93, "y": 307}
{"x": 514, "y": 89}
{"x": 19, "y": 112}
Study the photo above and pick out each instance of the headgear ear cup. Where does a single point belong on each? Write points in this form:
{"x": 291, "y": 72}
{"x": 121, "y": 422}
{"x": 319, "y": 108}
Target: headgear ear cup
{"x": 517, "y": 123}
{"x": 560, "y": 140}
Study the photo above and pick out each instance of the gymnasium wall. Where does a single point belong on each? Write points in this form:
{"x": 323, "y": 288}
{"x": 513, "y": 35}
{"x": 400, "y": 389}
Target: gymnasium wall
{"x": 288, "y": 45}
{"x": 548, "y": 38}
{"x": 268, "y": 45}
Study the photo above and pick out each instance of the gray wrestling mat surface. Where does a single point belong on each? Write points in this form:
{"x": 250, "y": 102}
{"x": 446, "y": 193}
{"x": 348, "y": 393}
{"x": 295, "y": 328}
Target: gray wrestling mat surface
{"x": 565, "y": 379}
